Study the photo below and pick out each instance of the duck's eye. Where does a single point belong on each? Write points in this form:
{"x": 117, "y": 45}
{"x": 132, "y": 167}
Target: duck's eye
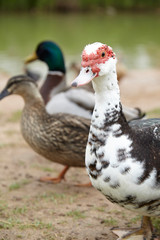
{"x": 103, "y": 54}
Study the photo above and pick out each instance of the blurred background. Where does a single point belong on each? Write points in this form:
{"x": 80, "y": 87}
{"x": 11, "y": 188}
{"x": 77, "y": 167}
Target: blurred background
{"x": 33, "y": 210}
{"x": 131, "y": 27}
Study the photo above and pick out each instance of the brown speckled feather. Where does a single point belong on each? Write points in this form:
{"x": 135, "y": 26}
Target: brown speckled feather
{"x": 60, "y": 137}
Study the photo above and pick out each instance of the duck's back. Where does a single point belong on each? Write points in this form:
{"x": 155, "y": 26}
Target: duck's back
{"x": 73, "y": 101}
{"x": 146, "y": 147}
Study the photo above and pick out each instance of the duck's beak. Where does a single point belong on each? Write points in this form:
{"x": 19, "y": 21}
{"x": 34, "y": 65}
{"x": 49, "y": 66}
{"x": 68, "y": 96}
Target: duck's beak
{"x": 4, "y": 94}
{"x": 31, "y": 58}
{"x": 85, "y": 76}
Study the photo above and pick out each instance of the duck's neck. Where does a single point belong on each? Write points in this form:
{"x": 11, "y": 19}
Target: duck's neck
{"x": 54, "y": 83}
{"x": 32, "y": 98}
{"x": 108, "y": 108}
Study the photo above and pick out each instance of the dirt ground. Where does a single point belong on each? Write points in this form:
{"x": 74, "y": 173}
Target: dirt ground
{"x": 32, "y": 210}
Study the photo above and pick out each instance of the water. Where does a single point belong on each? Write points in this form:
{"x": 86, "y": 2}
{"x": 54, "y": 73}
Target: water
{"x": 135, "y": 38}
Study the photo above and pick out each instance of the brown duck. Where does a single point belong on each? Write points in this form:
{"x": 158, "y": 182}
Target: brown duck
{"x": 60, "y": 137}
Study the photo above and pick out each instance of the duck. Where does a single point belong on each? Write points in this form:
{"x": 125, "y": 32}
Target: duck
{"x": 121, "y": 72}
{"x": 60, "y": 138}
{"x": 57, "y": 96}
{"x": 122, "y": 158}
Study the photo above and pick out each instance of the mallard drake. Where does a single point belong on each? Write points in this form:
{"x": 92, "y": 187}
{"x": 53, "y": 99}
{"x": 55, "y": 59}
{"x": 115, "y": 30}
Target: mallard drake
{"x": 57, "y": 96}
{"x": 55, "y": 92}
{"x": 122, "y": 159}
{"x": 61, "y": 138}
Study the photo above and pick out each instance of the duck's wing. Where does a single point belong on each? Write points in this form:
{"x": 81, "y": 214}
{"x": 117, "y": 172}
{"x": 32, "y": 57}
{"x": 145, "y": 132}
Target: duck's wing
{"x": 61, "y": 104}
{"x": 132, "y": 113}
{"x": 72, "y": 132}
{"x": 79, "y": 102}
{"x": 146, "y": 148}
{"x": 149, "y": 127}
{"x": 81, "y": 97}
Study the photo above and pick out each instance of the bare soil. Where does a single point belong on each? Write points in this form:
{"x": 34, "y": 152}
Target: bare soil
{"x": 32, "y": 210}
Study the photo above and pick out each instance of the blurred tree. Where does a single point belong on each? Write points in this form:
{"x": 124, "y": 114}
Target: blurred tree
{"x": 72, "y": 5}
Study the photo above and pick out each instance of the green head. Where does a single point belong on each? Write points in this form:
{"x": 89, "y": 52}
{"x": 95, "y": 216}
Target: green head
{"x": 50, "y": 53}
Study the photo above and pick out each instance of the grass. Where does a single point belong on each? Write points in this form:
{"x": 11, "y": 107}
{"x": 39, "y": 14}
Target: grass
{"x": 156, "y": 224}
{"x": 19, "y": 184}
{"x": 43, "y": 168}
{"x": 5, "y": 145}
{"x": 154, "y": 113}
{"x": 3, "y": 205}
{"x": 20, "y": 210}
{"x": 135, "y": 219}
{"x": 75, "y": 214}
{"x": 14, "y": 222}
{"x": 16, "y": 116}
{"x": 100, "y": 209}
{"x": 57, "y": 198}
{"x": 52, "y": 196}
{"x": 110, "y": 221}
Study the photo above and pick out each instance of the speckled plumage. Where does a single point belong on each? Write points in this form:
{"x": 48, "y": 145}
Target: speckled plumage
{"x": 60, "y": 137}
{"x": 124, "y": 163}
{"x": 122, "y": 159}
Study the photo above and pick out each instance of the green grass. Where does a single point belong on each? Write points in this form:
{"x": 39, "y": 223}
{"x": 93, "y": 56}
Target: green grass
{"x": 14, "y": 222}
{"x": 100, "y": 209}
{"x": 16, "y": 116}
{"x": 19, "y": 184}
{"x": 19, "y": 236}
{"x": 156, "y": 224}
{"x": 5, "y": 145}
{"x": 75, "y": 214}
{"x": 110, "y": 221}
{"x": 3, "y": 205}
{"x": 53, "y": 196}
{"x": 56, "y": 198}
{"x": 37, "y": 224}
{"x": 154, "y": 113}
{"x": 43, "y": 168}
{"x": 20, "y": 210}
{"x": 135, "y": 219}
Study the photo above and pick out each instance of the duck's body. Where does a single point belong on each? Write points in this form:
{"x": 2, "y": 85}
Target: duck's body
{"x": 122, "y": 159}
{"x": 60, "y": 98}
{"x": 60, "y": 137}
{"x": 48, "y": 135}
{"x": 127, "y": 168}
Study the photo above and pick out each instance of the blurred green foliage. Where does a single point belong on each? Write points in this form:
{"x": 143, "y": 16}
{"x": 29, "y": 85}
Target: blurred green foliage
{"x": 67, "y": 5}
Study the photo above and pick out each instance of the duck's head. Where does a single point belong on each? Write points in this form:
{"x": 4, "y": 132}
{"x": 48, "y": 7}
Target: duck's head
{"x": 19, "y": 85}
{"x": 50, "y": 53}
{"x": 98, "y": 59}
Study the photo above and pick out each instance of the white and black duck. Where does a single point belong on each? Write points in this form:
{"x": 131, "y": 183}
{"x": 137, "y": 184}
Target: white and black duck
{"x": 122, "y": 159}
